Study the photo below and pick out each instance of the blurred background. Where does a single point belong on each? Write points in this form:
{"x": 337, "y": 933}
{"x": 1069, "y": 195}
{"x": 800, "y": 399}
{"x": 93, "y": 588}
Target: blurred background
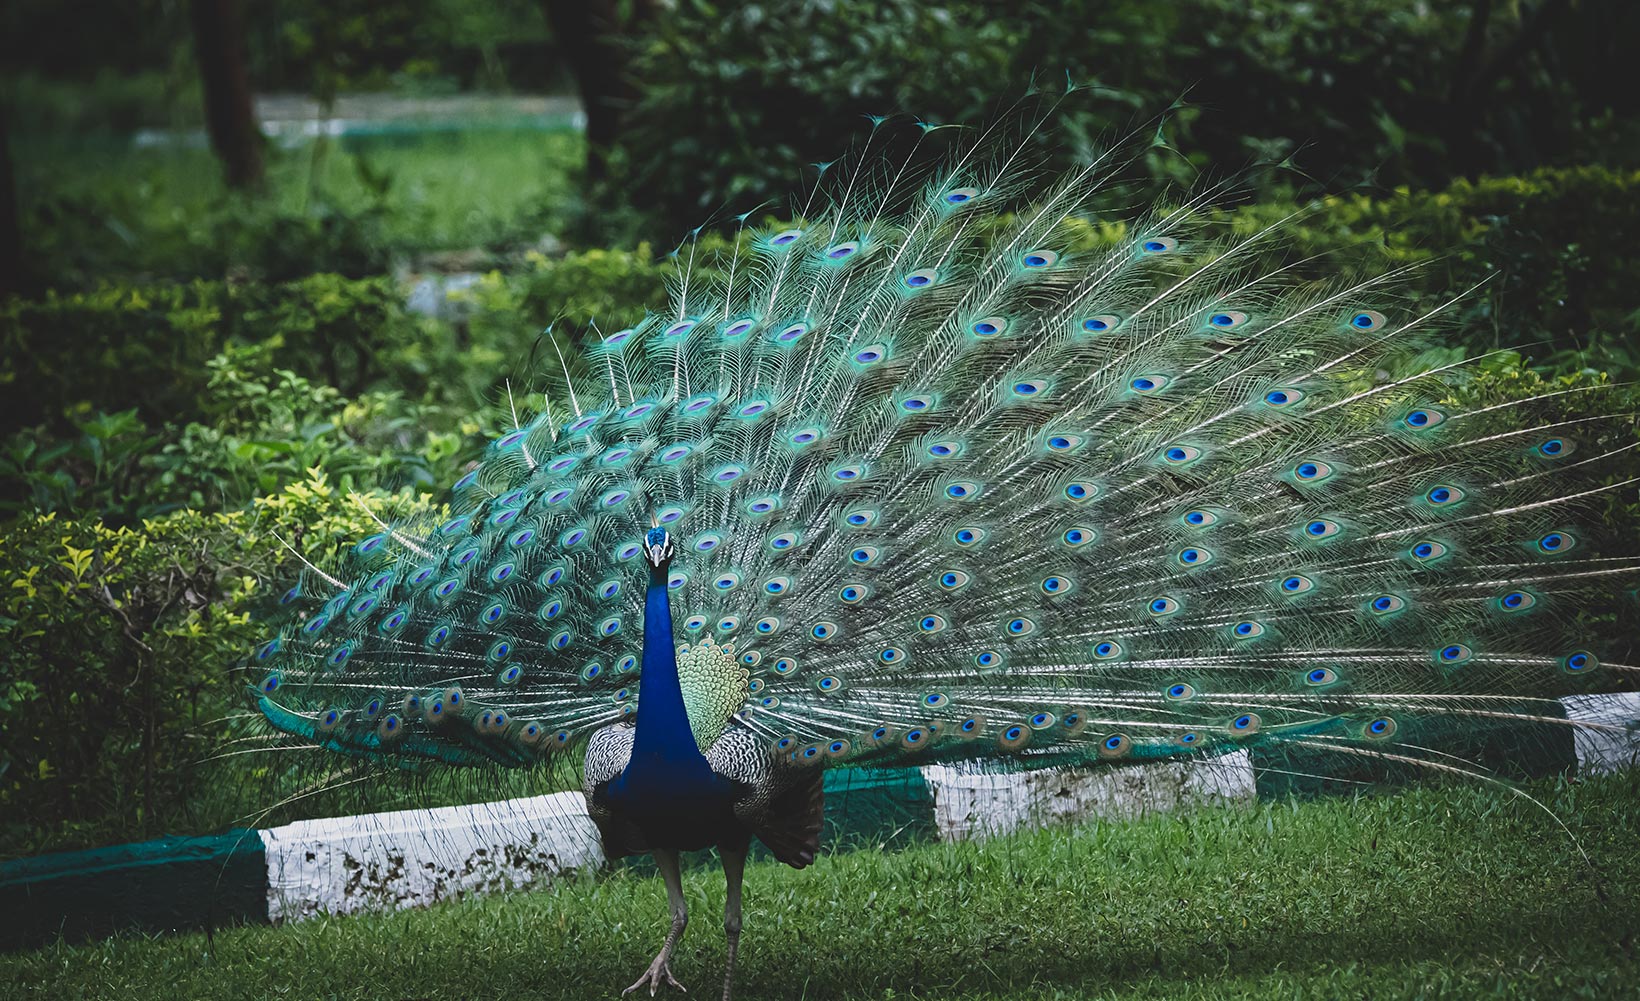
{"x": 257, "y": 257}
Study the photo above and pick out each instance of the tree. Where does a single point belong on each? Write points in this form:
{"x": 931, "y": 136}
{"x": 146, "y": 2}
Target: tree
{"x": 588, "y": 34}
{"x": 219, "y": 42}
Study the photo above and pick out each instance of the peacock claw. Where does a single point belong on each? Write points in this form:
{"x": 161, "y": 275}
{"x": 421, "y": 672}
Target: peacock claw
{"x": 652, "y": 976}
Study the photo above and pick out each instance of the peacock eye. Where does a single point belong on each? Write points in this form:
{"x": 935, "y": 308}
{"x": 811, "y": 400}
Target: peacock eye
{"x": 1386, "y": 604}
{"x": 962, "y": 489}
{"x": 960, "y": 196}
{"x": 1312, "y": 471}
{"x": 1150, "y": 383}
{"x": 1162, "y": 606}
{"x": 1427, "y": 551}
{"x": 1076, "y": 538}
{"x": 1367, "y": 319}
{"x": 1423, "y": 418}
{"x": 989, "y": 326}
{"x": 931, "y": 623}
{"x": 1063, "y": 442}
{"x": 1321, "y": 528}
{"x": 951, "y": 580}
{"x": 1158, "y": 245}
{"x": 1101, "y": 323}
{"x": 853, "y": 594}
{"x": 1247, "y": 630}
{"x": 1180, "y": 455}
{"x": 1320, "y": 676}
{"x": 921, "y": 278}
{"x": 1039, "y": 259}
{"x": 1517, "y": 601}
{"x": 1444, "y": 495}
{"x": 1106, "y": 650}
{"x": 1283, "y": 397}
{"x": 1199, "y": 518}
{"x": 1228, "y": 319}
{"x": 860, "y": 518}
{"x": 1296, "y": 584}
{"x": 968, "y": 536}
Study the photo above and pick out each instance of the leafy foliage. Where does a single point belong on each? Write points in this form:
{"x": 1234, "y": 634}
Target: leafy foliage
{"x": 1391, "y": 91}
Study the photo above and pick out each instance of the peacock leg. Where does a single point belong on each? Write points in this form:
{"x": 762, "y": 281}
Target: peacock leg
{"x": 734, "y": 867}
{"x": 666, "y": 860}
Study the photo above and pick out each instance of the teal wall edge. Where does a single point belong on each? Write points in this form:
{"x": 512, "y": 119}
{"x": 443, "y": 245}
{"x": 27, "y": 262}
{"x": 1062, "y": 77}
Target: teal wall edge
{"x": 163, "y": 885}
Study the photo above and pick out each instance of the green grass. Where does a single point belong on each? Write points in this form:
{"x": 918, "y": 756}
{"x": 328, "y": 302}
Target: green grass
{"x": 1450, "y": 892}
{"x": 95, "y": 207}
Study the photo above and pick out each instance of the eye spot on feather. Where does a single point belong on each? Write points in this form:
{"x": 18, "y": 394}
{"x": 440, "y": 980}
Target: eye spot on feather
{"x": 1516, "y": 601}
{"x": 823, "y": 630}
{"x": 917, "y": 404}
{"x": 990, "y": 326}
{"x": 1554, "y": 448}
{"x": 1019, "y": 626}
{"x": 1245, "y": 724}
{"x": 1075, "y": 538}
{"x": 891, "y": 655}
{"x": 864, "y": 556}
{"x": 952, "y": 580}
{"x": 1368, "y": 319}
{"x": 1247, "y": 630}
{"x": 1081, "y": 490}
{"x": 1158, "y": 245}
{"x": 1228, "y": 319}
{"x": 1162, "y": 606}
{"x": 1030, "y": 388}
{"x": 931, "y": 623}
{"x": 988, "y": 659}
{"x": 960, "y": 196}
{"x": 1320, "y": 676}
{"x": 1179, "y": 691}
{"x": 791, "y": 332}
{"x": 767, "y": 626}
{"x": 726, "y": 582}
{"x": 921, "y": 278}
{"x": 728, "y": 624}
{"x": 962, "y": 489}
{"x": 1297, "y": 584}
{"x": 1064, "y": 442}
{"x": 1039, "y": 259}
{"x": 1579, "y": 663}
{"x": 1386, "y": 604}
{"x": 783, "y": 541}
{"x": 1280, "y": 399}
{"x": 737, "y": 329}
{"x": 853, "y": 594}
{"x": 871, "y": 354}
{"x": 968, "y": 537}
{"x": 1423, "y": 419}
{"x": 805, "y": 436}
{"x": 1147, "y": 385}
{"x": 1321, "y": 528}
{"x": 1180, "y": 455}
{"x": 1312, "y": 471}
{"x": 1453, "y": 653}
{"x": 1107, "y": 650}
{"x": 1427, "y": 551}
{"x": 1556, "y": 542}
{"x": 1195, "y": 556}
{"x": 785, "y": 238}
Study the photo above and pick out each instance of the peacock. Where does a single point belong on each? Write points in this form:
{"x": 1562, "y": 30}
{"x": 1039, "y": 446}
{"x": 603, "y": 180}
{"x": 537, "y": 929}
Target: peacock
{"x": 966, "y": 461}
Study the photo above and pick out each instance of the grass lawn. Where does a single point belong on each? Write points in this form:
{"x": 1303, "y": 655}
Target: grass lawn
{"x": 98, "y": 206}
{"x": 1433, "y": 892}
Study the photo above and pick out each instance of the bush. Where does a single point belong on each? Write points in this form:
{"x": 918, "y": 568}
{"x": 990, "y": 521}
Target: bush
{"x": 117, "y": 649}
{"x": 739, "y": 100}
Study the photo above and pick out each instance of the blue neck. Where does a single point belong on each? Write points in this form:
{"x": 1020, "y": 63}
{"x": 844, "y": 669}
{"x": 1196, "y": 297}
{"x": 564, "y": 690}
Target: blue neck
{"x": 663, "y": 724}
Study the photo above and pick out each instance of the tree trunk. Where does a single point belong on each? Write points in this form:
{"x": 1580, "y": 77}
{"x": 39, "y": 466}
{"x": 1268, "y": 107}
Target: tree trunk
{"x": 11, "y": 235}
{"x": 588, "y": 34}
{"x": 219, "y": 42}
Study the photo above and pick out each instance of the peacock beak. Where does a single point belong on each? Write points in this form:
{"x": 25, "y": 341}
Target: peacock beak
{"x": 658, "y": 546}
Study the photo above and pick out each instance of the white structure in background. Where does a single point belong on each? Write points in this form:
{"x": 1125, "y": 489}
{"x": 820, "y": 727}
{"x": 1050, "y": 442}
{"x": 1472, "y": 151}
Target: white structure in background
{"x": 411, "y": 858}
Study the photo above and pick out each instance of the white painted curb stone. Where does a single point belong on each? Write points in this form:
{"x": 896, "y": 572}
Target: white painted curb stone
{"x": 411, "y": 858}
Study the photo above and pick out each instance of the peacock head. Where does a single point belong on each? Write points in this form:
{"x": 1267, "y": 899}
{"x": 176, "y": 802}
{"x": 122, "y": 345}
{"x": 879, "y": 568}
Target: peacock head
{"x": 658, "y": 548}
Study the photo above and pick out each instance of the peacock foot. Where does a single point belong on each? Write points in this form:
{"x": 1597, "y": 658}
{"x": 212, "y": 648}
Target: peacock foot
{"x": 661, "y": 967}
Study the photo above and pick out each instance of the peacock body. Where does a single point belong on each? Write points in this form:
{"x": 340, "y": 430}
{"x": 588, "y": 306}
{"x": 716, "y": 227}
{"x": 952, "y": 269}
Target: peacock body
{"x": 928, "y": 475}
